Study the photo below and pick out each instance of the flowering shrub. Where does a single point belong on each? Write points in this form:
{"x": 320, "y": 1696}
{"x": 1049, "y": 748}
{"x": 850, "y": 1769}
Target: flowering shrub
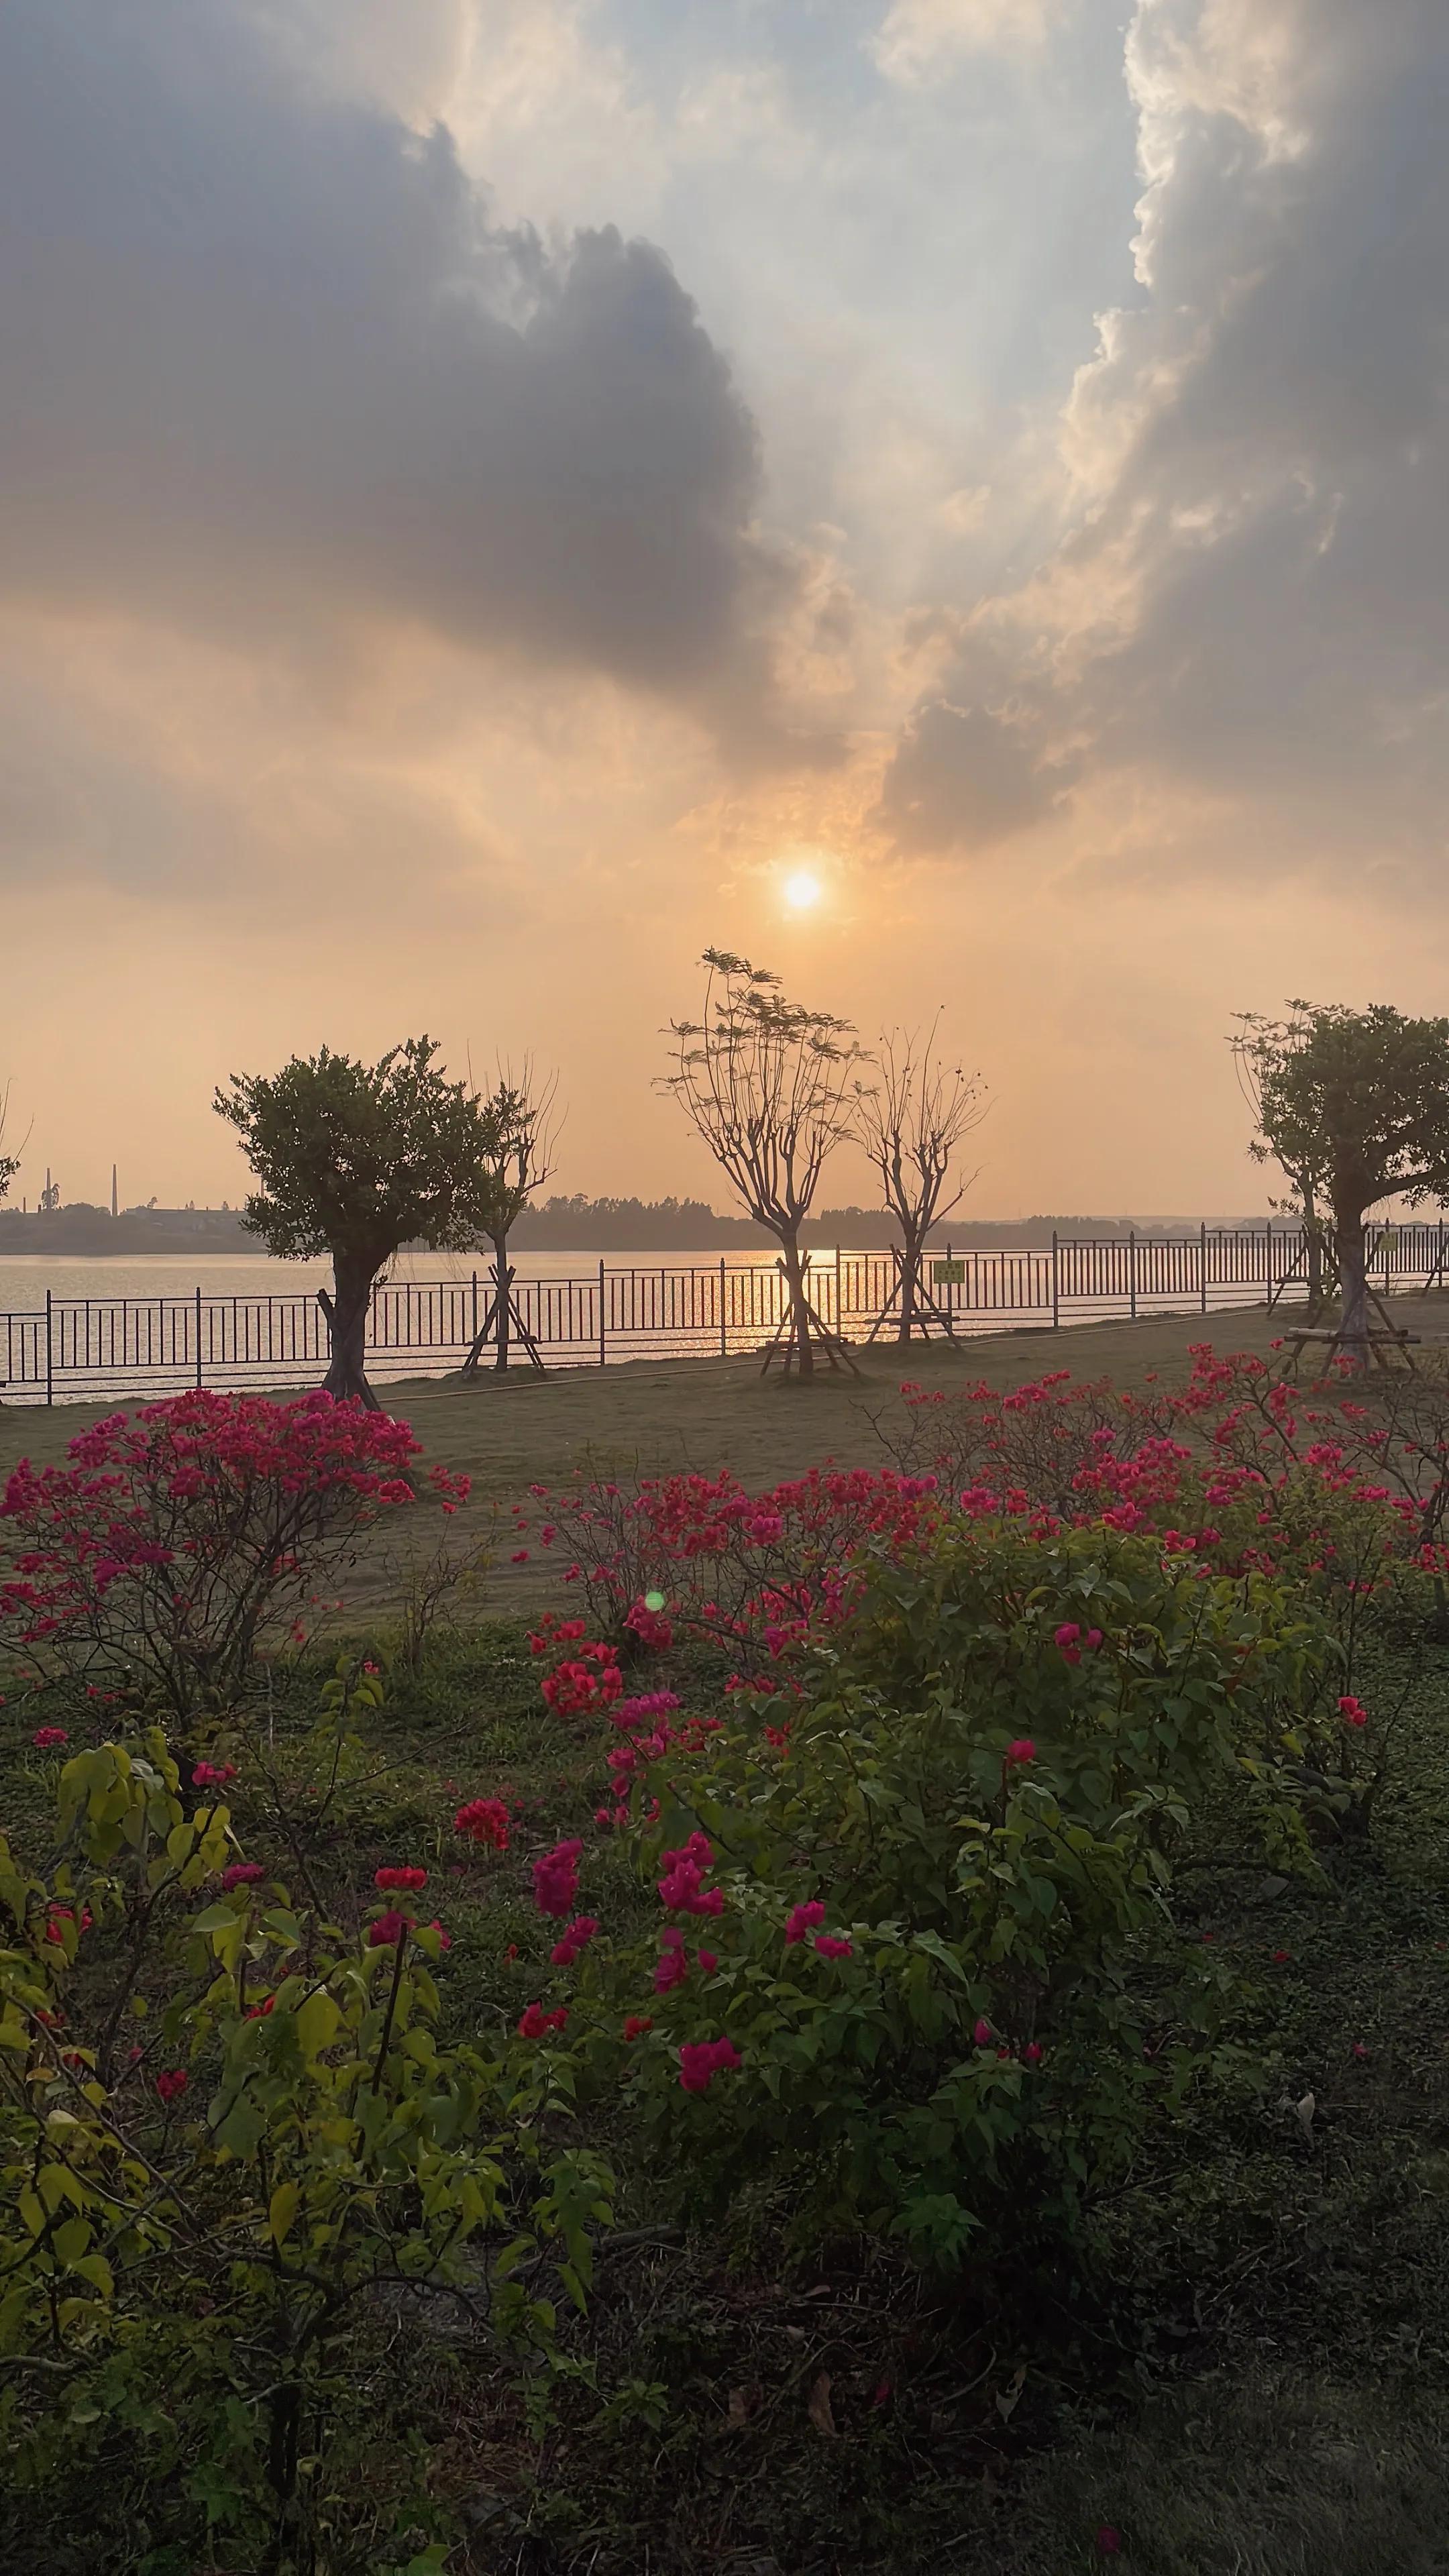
{"x": 195, "y": 2228}
{"x": 926, "y": 1927}
{"x": 180, "y": 1536}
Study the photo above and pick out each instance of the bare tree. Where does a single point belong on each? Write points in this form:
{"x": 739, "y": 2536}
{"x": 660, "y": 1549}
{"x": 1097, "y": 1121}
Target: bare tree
{"x": 9, "y": 1163}
{"x": 1303, "y": 1160}
{"x": 910, "y": 1124}
{"x": 772, "y": 1089}
{"x": 522, "y": 1126}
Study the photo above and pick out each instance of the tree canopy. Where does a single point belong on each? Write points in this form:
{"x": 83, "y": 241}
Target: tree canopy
{"x": 354, "y": 1161}
{"x": 1354, "y": 1104}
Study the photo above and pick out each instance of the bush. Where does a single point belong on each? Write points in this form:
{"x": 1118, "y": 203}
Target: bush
{"x": 232, "y": 2144}
{"x": 920, "y": 1971}
{"x": 176, "y": 1540}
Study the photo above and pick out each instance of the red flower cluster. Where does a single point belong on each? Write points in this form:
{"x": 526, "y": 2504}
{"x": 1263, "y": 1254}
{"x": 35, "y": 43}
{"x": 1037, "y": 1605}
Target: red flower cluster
{"x": 408, "y": 1880}
{"x": 388, "y": 1930}
{"x": 636, "y": 2025}
{"x": 578, "y": 1936}
{"x": 534, "y": 2023}
{"x": 701, "y": 2060}
{"x": 45, "y": 1737}
{"x": 210, "y": 1775}
{"x": 171, "y": 2087}
{"x": 593, "y": 1680}
{"x": 484, "y": 1821}
{"x": 1353, "y": 1712}
{"x": 241, "y": 1873}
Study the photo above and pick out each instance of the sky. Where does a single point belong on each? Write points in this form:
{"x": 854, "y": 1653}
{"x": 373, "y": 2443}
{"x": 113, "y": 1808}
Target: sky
{"x": 494, "y": 494}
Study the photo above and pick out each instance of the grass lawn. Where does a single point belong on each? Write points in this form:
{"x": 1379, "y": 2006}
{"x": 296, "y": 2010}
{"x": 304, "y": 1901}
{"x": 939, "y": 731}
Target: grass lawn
{"x": 1250, "y": 2375}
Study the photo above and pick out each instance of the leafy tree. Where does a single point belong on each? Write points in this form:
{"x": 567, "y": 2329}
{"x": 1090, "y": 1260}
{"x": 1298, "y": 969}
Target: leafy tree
{"x": 354, "y": 1161}
{"x": 515, "y": 1159}
{"x": 910, "y": 1124}
{"x": 1355, "y": 1104}
{"x": 771, "y": 1089}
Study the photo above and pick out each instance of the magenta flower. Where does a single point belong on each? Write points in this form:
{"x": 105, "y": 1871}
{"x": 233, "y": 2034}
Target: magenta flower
{"x": 830, "y": 1948}
{"x": 701, "y": 2060}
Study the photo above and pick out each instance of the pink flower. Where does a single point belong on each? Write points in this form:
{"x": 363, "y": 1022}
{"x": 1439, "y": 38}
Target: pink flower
{"x": 445, "y": 1938}
{"x": 1068, "y": 1637}
{"x": 1023, "y": 1750}
{"x": 1353, "y": 1712}
{"x": 672, "y": 1965}
{"x": 388, "y": 1929}
{"x": 171, "y": 2087}
{"x": 1109, "y": 2540}
{"x": 830, "y": 1948}
{"x": 636, "y": 2025}
{"x": 408, "y": 1879}
{"x": 983, "y": 2034}
{"x": 242, "y": 1873}
{"x": 802, "y": 1919}
{"x": 556, "y": 1878}
{"x": 701, "y": 2060}
{"x": 706, "y": 1960}
{"x": 46, "y": 1736}
{"x": 1031, "y": 2055}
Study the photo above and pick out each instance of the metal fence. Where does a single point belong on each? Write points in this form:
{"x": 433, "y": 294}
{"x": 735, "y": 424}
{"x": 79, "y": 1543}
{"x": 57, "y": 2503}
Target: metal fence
{"x": 98, "y": 1346}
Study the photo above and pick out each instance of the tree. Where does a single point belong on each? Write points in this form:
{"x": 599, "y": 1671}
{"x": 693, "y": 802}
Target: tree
{"x": 516, "y": 1160}
{"x": 1357, "y": 1104}
{"x": 1260, "y": 1045}
{"x": 910, "y": 1124}
{"x": 771, "y": 1087}
{"x": 9, "y": 1163}
{"x": 354, "y": 1161}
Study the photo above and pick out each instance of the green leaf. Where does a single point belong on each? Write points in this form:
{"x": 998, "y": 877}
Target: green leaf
{"x": 282, "y": 2210}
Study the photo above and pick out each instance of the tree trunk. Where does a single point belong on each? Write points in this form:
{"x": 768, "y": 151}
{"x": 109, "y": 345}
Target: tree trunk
{"x": 1353, "y": 1275}
{"x": 910, "y": 1277}
{"x": 799, "y": 1311}
{"x": 503, "y": 1276}
{"x": 346, "y": 1312}
{"x": 1313, "y": 1238}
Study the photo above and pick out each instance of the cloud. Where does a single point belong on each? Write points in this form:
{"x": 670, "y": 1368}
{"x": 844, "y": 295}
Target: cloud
{"x": 1249, "y": 598}
{"x": 917, "y": 36}
{"x": 271, "y": 370}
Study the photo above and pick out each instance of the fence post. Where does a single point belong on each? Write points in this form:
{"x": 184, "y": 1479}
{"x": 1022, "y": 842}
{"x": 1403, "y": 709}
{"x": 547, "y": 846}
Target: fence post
{"x": 49, "y": 1353}
{"x": 837, "y": 1288}
{"x": 473, "y": 1336}
{"x": 1056, "y": 1285}
{"x": 1132, "y": 1272}
{"x": 603, "y": 1355}
{"x": 198, "y": 1335}
{"x": 724, "y": 1348}
{"x": 1202, "y": 1266}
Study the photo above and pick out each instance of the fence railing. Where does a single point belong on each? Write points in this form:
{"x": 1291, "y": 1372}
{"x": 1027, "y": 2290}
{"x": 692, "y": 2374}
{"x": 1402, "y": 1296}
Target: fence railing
{"x": 75, "y": 1347}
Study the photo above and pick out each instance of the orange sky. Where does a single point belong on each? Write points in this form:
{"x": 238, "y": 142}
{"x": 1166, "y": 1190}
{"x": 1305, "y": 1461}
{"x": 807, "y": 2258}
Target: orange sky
{"x": 997, "y": 465}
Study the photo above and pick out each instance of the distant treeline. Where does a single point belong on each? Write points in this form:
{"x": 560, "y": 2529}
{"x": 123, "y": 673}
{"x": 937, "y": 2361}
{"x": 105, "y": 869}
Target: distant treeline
{"x": 576, "y": 1224}
{"x": 688, "y": 1225}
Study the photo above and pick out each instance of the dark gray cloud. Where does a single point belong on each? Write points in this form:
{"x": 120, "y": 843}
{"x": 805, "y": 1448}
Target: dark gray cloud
{"x": 1255, "y": 600}
{"x": 267, "y": 366}
{"x": 968, "y": 776}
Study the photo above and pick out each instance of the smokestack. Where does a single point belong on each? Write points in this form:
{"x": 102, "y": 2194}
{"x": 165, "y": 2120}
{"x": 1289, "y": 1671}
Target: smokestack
{"x": 115, "y": 1200}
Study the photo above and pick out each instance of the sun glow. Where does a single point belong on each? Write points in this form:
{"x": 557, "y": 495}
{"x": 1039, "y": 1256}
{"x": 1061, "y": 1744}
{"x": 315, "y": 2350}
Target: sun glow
{"x": 801, "y": 890}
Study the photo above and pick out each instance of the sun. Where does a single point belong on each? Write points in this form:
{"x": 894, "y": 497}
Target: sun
{"x": 802, "y": 891}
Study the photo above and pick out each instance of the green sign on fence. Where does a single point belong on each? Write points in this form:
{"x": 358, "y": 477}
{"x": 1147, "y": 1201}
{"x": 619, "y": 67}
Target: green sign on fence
{"x": 949, "y": 1274}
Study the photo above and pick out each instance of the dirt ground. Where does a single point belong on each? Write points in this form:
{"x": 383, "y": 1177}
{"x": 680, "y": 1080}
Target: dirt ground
{"x": 650, "y": 1417}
